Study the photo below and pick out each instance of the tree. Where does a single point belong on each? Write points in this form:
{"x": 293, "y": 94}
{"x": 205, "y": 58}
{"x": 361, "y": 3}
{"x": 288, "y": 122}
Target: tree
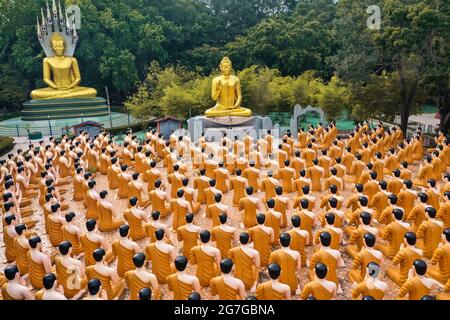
{"x": 333, "y": 99}
{"x": 13, "y": 87}
{"x": 234, "y": 17}
{"x": 411, "y": 31}
{"x": 290, "y": 43}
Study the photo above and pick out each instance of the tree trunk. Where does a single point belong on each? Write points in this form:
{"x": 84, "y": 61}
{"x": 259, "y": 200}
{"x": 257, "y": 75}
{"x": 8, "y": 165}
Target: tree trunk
{"x": 407, "y": 96}
{"x": 404, "y": 117}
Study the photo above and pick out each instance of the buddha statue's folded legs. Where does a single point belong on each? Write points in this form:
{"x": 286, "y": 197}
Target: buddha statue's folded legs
{"x": 223, "y": 112}
{"x": 77, "y": 92}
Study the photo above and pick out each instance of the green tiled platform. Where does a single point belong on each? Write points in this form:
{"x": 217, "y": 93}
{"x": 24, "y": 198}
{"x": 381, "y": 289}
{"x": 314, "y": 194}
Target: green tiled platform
{"x": 35, "y": 110}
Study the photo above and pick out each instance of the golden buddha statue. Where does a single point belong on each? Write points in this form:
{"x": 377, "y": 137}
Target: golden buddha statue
{"x": 62, "y": 75}
{"x": 226, "y": 90}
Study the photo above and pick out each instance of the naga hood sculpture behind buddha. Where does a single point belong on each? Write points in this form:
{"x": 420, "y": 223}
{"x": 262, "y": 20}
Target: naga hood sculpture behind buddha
{"x": 58, "y": 37}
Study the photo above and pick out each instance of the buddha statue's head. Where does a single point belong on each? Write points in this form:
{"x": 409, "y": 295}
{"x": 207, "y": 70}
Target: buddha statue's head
{"x": 226, "y": 67}
{"x": 58, "y": 44}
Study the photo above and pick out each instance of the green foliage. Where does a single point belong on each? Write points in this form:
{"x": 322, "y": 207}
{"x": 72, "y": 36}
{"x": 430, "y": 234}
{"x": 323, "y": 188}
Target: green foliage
{"x": 177, "y": 92}
{"x": 6, "y": 145}
{"x": 288, "y": 52}
{"x": 334, "y": 98}
{"x": 292, "y": 44}
{"x": 379, "y": 97}
{"x": 13, "y": 88}
{"x": 123, "y": 129}
{"x": 409, "y": 47}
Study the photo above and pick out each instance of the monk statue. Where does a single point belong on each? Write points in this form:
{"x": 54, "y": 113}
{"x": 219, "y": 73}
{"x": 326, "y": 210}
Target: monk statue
{"x": 62, "y": 75}
{"x": 140, "y": 278}
{"x": 226, "y": 90}
{"x": 371, "y": 285}
{"x": 417, "y": 285}
{"x": 320, "y": 288}
{"x": 52, "y": 290}
{"x": 15, "y": 288}
{"x": 96, "y": 292}
{"x": 273, "y": 289}
{"x": 227, "y": 287}
{"x": 207, "y": 258}
{"x": 290, "y": 263}
{"x": 181, "y": 283}
{"x": 247, "y": 262}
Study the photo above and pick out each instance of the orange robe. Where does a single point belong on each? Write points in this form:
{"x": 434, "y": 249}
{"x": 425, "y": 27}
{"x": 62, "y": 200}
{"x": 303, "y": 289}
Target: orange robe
{"x": 244, "y": 267}
{"x": 135, "y": 284}
{"x": 125, "y": 258}
{"x": 288, "y": 267}
{"x": 265, "y": 291}
{"x": 188, "y": 238}
{"x": 161, "y": 265}
{"x": 181, "y": 290}
{"x": 262, "y": 244}
{"x": 225, "y": 292}
{"x": 113, "y": 290}
{"x": 248, "y": 210}
{"x": 65, "y": 276}
{"x": 317, "y": 290}
{"x": 405, "y": 257}
{"x": 223, "y": 241}
{"x": 206, "y": 265}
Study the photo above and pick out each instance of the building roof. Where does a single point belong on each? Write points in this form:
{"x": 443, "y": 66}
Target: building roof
{"x": 88, "y": 123}
{"x": 167, "y": 119}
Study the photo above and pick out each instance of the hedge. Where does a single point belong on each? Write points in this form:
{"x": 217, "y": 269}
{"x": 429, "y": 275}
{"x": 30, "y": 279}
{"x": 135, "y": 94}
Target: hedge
{"x": 9, "y": 115}
{"x": 6, "y": 145}
{"x": 135, "y": 127}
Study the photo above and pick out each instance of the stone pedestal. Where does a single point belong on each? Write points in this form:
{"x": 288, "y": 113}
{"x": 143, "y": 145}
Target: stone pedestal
{"x": 64, "y": 108}
{"x": 214, "y": 128}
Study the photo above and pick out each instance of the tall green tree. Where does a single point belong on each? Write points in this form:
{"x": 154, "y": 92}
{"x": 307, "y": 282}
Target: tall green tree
{"x": 412, "y": 31}
{"x": 292, "y": 44}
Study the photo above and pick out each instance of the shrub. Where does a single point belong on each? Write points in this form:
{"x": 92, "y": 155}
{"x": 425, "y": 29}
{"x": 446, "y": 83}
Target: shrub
{"x": 135, "y": 127}
{"x": 6, "y": 145}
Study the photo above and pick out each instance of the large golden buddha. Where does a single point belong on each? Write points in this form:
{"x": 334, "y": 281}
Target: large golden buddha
{"x": 226, "y": 90}
{"x": 62, "y": 75}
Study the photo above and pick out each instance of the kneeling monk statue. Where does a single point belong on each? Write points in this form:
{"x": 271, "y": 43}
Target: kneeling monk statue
{"x": 226, "y": 90}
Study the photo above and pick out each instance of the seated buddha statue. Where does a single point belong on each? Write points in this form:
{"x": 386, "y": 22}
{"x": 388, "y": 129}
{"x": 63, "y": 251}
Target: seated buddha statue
{"x": 62, "y": 75}
{"x": 70, "y": 272}
{"x": 39, "y": 263}
{"x": 439, "y": 262}
{"x": 161, "y": 255}
{"x": 125, "y": 249}
{"x": 226, "y": 90}
{"x": 223, "y": 235}
{"x": 404, "y": 258}
{"x": 188, "y": 234}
